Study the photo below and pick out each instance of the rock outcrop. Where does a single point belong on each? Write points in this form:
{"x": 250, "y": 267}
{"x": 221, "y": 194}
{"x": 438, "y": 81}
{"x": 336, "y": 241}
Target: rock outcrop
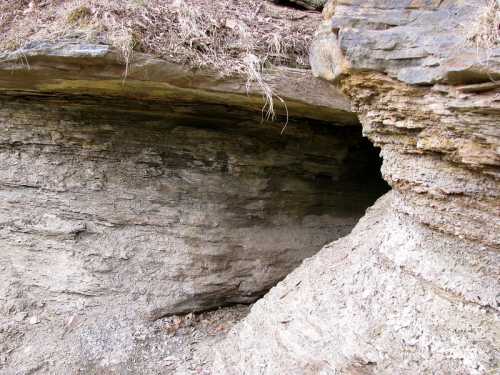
{"x": 125, "y": 200}
{"x": 415, "y": 287}
{"x": 80, "y": 68}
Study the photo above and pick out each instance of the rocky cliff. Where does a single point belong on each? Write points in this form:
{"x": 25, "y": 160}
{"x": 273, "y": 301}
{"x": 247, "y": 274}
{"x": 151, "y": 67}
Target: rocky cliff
{"x": 126, "y": 200}
{"x": 415, "y": 287}
{"x": 140, "y": 179}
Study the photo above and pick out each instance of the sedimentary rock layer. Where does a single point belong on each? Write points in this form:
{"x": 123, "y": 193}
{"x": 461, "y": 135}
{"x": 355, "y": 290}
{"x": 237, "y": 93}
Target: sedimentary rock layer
{"x": 415, "y": 287}
{"x": 122, "y": 202}
{"x": 182, "y": 212}
{"x": 75, "y": 67}
{"x": 372, "y": 303}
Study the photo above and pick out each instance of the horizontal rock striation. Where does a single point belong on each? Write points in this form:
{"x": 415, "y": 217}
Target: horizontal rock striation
{"x": 71, "y": 67}
{"x": 381, "y": 300}
{"x": 415, "y": 287}
{"x": 125, "y": 201}
{"x": 180, "y": 212}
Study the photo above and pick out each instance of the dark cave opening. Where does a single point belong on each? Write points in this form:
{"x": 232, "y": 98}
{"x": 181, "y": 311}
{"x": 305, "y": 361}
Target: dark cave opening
{"x": 301, "y": 5}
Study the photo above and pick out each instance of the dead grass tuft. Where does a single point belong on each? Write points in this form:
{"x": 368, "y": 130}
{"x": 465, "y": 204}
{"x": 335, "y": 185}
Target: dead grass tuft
{"x": 233, "y": 37}
{"x": 484, "y": 33}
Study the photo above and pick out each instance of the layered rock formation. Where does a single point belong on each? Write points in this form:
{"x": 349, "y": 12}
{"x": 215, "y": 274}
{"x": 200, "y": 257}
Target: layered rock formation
{"x": 124, "y": 201}
{"x": 415, "y": 287}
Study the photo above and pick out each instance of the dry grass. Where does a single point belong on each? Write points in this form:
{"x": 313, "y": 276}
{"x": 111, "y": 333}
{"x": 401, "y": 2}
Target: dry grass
{"x": 233, "y": 37}
{"x": 484, "y": 33}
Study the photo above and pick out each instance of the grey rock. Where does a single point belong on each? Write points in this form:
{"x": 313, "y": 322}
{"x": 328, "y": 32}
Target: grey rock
{"x": 170, "y": 214}
{"x": 417, "y": 43}
{"x": 20, "y": 316}
{"x": 73, "y": 67}
{"x": 413, "y": 288}
{"x": 121, "y": 206}
{"x": 369, "y": 304}
{"x": 59, "y": 49}
{"x": 122, "y": 201}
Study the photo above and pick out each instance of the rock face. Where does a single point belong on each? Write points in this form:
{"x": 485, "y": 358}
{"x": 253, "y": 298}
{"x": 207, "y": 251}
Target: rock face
{"x": 80, "y": 68}
{"x": 415, "y": 287}
{"x": 366, "y": 305}
{"x": 123, "y": 202}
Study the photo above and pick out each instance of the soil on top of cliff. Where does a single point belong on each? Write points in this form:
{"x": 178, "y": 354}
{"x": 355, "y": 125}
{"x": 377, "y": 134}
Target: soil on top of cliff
{"x": 230, "y": 36}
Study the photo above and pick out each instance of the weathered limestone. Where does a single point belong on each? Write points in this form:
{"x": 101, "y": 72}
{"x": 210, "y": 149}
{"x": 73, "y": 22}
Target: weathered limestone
{"x": 122, "y": 202}
{"x": 120, "y": 192}
{"x": 79, "y": 68}
{"x": 369, "y": 304}
{"x": 415, "y": 287}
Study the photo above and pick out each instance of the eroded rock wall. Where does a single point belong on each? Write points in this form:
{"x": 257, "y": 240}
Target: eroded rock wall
{"x": 118, "y": 211}
{"x": 415, "y": 287}
{"x": 382, "y": 300}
